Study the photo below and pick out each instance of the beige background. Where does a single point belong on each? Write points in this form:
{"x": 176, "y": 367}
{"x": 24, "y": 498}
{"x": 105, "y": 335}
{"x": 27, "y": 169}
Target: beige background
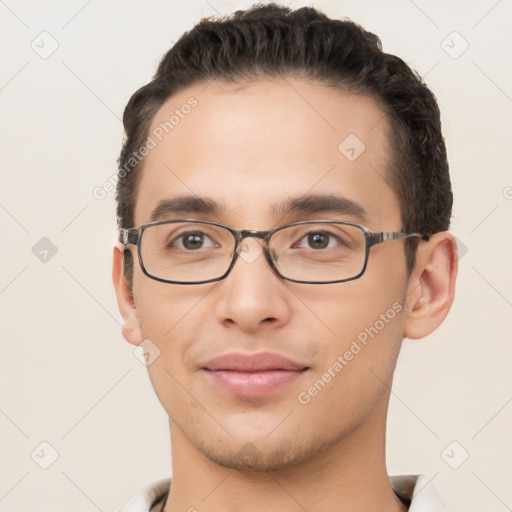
{"x": 68, "y": 378}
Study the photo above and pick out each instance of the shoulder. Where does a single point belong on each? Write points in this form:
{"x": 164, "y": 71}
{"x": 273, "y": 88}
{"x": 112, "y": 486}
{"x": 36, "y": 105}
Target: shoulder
{"x": 148, "y": 496}
{"x": 419, "y": 492}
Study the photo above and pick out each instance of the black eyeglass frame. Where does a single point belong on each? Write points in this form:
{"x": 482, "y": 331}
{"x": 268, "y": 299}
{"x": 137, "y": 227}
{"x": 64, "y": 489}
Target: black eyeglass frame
{"x": 133, "y": 236}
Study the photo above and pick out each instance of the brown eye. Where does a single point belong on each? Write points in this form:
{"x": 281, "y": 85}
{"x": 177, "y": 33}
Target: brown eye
{"x": 191, "y": 241}
{"x": 318, "y": 240}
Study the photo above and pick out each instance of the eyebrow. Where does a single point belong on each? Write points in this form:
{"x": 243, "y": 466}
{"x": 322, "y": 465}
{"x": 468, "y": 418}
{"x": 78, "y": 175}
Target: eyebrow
{"x": 181, "y": 205}
{"x": 311, "y": 204}
{"x": 304, "y": 205}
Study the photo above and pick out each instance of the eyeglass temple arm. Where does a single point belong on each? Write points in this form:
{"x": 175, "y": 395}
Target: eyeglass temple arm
{"x": 377, "y": 238}
{"x": 130, "y": 236}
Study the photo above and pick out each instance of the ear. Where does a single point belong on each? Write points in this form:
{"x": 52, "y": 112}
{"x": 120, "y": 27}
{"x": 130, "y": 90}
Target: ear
{"x": 431, "y": 286}
{"x": 125, "y": 302}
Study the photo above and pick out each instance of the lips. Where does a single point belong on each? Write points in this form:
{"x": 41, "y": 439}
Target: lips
{"x": 263, "y": 361}
{"x": 253, "y": 375}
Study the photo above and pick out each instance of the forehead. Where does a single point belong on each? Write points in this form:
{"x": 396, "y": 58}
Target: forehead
{"x": 249, "y": 147}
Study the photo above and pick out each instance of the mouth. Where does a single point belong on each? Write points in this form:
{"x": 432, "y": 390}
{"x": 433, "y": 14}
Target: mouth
{"x": 253, "y": 375}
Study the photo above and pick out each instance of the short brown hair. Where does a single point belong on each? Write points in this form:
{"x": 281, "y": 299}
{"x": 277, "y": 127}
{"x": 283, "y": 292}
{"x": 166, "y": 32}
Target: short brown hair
{"x": 272, "y": 41}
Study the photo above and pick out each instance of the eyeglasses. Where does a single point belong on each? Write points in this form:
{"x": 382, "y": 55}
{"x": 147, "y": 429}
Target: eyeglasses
{"x": 190, "y": 251}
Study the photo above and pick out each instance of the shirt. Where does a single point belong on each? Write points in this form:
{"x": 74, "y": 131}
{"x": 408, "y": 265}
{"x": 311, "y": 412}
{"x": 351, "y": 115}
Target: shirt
{"x": 413, "y": 489}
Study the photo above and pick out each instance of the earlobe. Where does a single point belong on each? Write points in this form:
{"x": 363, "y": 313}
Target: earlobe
{"x": 431, "y": 286}
{"x": 125, "y": 300}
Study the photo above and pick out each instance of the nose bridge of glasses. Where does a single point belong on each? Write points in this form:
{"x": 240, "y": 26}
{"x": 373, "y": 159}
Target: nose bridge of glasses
{"x": 252, "y": 233}
{"x": 250, "y": 250}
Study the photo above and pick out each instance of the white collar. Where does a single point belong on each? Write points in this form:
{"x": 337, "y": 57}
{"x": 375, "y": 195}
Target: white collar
{"x": 414, "y": 488}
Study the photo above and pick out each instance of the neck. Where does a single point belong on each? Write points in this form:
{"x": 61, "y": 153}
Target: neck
{"x": 349, "y": 475}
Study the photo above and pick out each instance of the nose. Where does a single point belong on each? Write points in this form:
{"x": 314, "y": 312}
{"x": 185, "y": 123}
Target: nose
{"x": 253, "y": 296}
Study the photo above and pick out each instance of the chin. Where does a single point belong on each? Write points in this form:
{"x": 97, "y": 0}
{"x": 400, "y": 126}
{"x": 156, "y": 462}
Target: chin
{"x": 260, "y": 455}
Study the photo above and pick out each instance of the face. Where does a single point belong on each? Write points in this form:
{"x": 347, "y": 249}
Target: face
{"x": 250, "y": 150}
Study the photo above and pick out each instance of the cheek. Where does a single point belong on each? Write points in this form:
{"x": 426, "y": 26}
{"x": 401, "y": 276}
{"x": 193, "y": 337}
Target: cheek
{"x": 162, "y": 307}
{"x": 358, "y": 359}
{"x": 169, "y": 317}
{"x": 358, "y": 330}
{"x": 339, "y": 313}
{"x": 169, "y": 374}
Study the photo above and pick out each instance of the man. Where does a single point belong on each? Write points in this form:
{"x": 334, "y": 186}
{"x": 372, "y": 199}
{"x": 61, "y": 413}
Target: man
{"x": 283, "y": 201}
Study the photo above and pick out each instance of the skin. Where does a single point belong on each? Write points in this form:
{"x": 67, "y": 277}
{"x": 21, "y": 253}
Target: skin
{"x": 248, "y": 148}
